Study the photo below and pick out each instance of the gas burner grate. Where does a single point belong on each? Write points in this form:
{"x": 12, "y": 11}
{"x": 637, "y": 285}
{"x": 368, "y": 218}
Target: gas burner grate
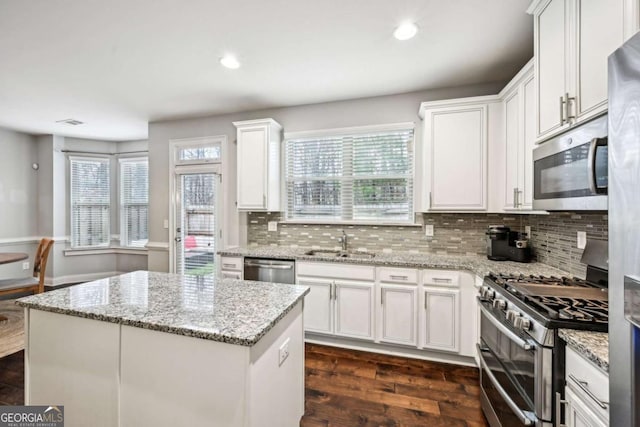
{"x": 580, "y": 309}
{"x": 504, "y": 280}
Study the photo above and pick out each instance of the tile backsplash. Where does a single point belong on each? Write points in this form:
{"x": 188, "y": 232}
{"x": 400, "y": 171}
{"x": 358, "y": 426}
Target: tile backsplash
{"x": 553, "y": 236}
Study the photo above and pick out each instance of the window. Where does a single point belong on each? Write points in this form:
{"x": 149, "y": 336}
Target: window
{"x": 134, "y": 202}
{"x": 366, "y": 176}
{"x": 90, "y": 197}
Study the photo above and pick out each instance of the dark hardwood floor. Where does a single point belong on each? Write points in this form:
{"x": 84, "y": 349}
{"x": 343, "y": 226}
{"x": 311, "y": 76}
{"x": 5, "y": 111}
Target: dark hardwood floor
{"x": 353, "y": 388}
{"x": 347, "y": 388}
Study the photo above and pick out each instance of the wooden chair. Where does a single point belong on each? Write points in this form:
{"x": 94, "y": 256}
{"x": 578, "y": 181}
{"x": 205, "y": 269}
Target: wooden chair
{"x": 33, "y": 284}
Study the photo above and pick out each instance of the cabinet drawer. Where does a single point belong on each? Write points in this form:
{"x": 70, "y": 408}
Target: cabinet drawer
{"x": 446, "y": 278}
{"x": 231, "y": 275}
{"x": 231, "y": 263}
{"x": 588, "y": 382}
{"x": 398, "y": 275}
{"x": 336, "y": 271}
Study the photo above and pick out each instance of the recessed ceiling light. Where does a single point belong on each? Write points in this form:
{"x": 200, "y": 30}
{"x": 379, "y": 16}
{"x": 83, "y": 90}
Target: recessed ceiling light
{"x": 406, "y": 31}
{"x": 230, "y": 61}
{"x": 72, "y": 122}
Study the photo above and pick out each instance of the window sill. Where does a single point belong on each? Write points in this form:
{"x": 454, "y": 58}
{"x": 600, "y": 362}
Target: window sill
{"x": 105, "y": 251}
{"x": 369, "y": 223}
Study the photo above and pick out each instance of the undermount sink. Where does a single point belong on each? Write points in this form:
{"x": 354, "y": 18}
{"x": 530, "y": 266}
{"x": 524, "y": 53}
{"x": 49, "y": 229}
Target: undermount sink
{"x": 339, "y": 254}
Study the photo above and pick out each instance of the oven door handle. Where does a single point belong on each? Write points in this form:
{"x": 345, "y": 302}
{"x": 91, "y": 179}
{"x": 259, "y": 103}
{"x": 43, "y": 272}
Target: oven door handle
{"x": 508, "y": 332}
{"x": 591, "y": 163}
{"x": 525, "y": 417}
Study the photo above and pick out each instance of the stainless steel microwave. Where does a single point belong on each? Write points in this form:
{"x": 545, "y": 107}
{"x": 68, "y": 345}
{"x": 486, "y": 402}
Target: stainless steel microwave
{"x": 570, "y": 171}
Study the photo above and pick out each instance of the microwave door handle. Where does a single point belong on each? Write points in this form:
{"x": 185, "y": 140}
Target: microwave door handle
{"x": 591, "y": 161}
{"x": 502, "y": 328}
{"x": 526, "y": 418}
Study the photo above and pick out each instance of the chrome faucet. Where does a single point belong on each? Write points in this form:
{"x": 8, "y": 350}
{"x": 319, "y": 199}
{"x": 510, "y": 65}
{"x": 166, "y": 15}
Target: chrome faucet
{"x": 343, "y": 240}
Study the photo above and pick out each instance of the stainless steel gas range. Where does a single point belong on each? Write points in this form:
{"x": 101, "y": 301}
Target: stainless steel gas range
{"x": 521, "y": 356}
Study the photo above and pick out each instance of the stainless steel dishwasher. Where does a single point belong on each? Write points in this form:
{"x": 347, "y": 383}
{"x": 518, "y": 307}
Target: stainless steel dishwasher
{"x": 270, "y": 270}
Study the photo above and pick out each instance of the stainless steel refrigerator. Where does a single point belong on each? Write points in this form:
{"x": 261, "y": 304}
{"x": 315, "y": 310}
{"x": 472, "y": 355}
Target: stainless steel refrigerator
{"x": 624, "y": 234}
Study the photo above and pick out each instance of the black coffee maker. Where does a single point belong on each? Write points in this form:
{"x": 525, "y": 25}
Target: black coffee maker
{"x": 506, "y": 245}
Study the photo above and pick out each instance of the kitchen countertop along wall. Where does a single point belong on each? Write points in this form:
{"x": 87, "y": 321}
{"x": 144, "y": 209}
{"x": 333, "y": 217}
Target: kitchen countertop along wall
{"x": 477, "y": 264}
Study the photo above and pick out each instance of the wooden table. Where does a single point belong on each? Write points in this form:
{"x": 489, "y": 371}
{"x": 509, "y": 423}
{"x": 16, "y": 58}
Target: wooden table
{"x": 7, "y": 258}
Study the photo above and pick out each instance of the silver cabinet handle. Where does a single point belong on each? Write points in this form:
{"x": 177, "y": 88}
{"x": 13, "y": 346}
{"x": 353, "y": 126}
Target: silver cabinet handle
{"x": 519, "y": 201}
{"x": 525, "y": 417}
{"x": 508, "y": 332}
{"x": 515, "y": 197}
{"x": 429, "y": 199}
{"x": 442, "y": 280}
{"x": 567, "y": 106}
{"x": 264, "y": 200}
{"x": 335, "y": 291}
{"x": 559, "y": 404}
{"x": 584, "y": 386}
{"x": 399, "y": 277}
{"x": 228, "y": 265}
{"x": 425, "y": 301}
{"x": 562, "y": 107}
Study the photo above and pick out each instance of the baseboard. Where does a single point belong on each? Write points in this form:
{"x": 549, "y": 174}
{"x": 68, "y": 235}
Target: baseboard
{"x": 79, "y": 278}
{"x": 391, "y": 350}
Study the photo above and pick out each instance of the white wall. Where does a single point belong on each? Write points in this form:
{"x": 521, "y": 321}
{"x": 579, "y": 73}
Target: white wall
{"x": 18, "y": 200}
{"x": 359, "y": 112}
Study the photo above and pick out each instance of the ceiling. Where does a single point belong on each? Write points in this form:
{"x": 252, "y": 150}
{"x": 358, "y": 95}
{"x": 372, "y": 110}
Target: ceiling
{"x": 117, "y": 65}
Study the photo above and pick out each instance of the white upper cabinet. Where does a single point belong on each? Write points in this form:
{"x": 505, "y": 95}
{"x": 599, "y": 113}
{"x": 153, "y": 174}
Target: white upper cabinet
{"x": 258, "y": 167}
{"x": 573, "y": 39}
{"x": 519, "y": 140}
{"x": 455, "y": 153}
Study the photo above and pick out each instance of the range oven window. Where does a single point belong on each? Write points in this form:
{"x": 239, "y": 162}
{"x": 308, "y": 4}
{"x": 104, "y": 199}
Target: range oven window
{"x": 519, "y": 363}
{"x": 572, "y": 173}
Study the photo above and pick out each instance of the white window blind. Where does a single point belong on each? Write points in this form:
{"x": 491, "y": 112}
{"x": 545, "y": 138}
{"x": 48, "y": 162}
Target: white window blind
{"x": 134, "y": 202}
{"x": 90, "y": 197}
{"x": 361, "y": 177}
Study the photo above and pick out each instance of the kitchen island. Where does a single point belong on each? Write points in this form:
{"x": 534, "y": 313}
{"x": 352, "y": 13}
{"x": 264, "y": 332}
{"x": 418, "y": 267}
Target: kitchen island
{"x": 159, "y": 349}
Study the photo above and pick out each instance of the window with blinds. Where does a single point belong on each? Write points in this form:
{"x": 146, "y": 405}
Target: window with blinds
{"x": 134, "y": 201}
{"x": 90, "y": 197}
{"x": 361, "y": 177}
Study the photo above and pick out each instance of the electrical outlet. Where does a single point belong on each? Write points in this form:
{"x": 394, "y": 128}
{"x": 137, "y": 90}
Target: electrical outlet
{"x": 283, "y": 352}
{"x": 428, "y": 230}
{"x": 25, "y": 265}
{"x": 272, "y": 226}
{"x": 165, "y": 224}
{"x": 527, "y": 230}
{"x": 582, "y": 239}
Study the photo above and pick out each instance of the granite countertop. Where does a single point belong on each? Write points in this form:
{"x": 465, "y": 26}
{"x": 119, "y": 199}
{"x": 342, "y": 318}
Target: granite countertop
{"x": 478, "y": 264}
{"x": 226, "y": 310}
{"x": 594, "y": 346}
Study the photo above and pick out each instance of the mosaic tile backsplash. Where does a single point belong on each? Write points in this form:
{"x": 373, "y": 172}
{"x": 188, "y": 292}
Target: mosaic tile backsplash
{"x": 553, "y": 236}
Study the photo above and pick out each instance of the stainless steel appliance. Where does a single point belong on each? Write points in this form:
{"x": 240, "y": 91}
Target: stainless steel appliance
{"x": 506, "y": 245}
{"x": 270, "y": 270}
{"x": 521, "y": 356}
{"x": 624, "y": 232}
{"x": 570, "y": 171}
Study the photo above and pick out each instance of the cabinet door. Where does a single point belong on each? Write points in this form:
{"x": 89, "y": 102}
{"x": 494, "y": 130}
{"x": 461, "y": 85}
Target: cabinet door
{"x": 578, "y": 413}
{"x": 599, "y": 32}
{"x": 318, "y": 316}
{"x": 252, "y": 167}
{"x": 441, "y": 324}
{"x": 525, "y": 160}
{"x": 354, "y": 303}
{"x": 551, "y": 53}
{"x": 513, "y": 142}
{"x": 456, "y": 158}
{"x": 399, "y": 314}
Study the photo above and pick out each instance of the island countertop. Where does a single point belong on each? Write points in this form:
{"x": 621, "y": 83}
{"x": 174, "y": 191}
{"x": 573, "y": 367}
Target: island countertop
{"x": 226, "y": 310}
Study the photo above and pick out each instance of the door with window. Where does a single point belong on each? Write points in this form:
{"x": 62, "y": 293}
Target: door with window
{"x": 196, "y": 224}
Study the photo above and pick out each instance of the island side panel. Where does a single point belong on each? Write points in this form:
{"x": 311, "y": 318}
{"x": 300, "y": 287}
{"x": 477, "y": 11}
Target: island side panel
{"x": 277, "y": 390}
{"x": 174, "y": 380}
{"x": 73, "y": 361}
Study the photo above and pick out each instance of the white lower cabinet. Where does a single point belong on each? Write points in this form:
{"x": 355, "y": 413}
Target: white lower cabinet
{"x": 586, "y": 392}
{"x": 398, "y": 318}
{"x": 578, "y": 413}
{"x": 318, "y": 305}
{"x": 441, "y": 320}
{"x": 354, "y": 309}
